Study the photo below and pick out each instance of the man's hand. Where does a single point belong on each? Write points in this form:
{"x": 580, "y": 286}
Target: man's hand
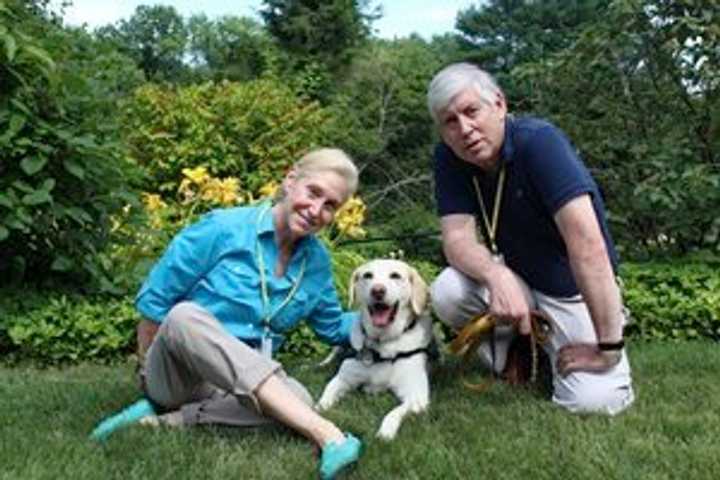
{"x": 507, "y": 299}
{"x": 586, "y": 357}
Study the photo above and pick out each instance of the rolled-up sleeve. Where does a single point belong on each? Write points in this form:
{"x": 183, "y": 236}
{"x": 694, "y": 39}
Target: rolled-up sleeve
{"x": 331, "y": 324}
{"x": 190, "y": 255}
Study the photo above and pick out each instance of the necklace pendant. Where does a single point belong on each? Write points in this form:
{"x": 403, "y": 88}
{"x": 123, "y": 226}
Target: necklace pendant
{"x": 498, "y": 258}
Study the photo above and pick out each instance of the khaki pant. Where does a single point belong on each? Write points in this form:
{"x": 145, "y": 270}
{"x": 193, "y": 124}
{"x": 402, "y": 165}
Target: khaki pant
{"x": 196, "y": 367}
{"x": 457, "y": 299}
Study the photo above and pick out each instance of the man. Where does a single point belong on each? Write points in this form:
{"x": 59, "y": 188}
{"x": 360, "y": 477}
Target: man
{"x": 546, "y": 242}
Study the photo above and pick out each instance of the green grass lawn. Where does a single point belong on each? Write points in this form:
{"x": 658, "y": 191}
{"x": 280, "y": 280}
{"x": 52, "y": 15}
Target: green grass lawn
{"x": 672, "y": 431}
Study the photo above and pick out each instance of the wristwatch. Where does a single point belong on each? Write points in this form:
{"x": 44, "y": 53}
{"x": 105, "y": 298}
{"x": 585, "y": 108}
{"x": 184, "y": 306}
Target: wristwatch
{"x": 611, "y": 346}
{"x": 612, "y": 350}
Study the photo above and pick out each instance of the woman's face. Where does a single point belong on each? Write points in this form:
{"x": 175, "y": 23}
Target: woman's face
{"x": 311, "y": 201}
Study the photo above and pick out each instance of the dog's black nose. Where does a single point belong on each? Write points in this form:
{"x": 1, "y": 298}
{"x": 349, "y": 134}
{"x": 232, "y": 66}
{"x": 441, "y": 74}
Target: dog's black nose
{"x": 378, "y": 292}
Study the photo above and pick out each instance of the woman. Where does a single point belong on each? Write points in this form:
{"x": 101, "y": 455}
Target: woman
{"x": 223, "y": 295}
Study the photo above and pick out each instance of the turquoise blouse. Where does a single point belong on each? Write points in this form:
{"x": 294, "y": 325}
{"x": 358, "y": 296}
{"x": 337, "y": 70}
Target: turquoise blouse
{"x": 214, "y": 264}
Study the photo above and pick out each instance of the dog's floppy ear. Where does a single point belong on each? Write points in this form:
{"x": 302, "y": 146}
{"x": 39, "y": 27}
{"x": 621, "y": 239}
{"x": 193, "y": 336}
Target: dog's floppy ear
{"x": 351, "y": 287}
{"x": 420, "y": 292}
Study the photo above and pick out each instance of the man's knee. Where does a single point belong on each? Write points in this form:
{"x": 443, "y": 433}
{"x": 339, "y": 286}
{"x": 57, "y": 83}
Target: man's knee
{"x": 595, "y": 397}
{"x": 446, "y": 292}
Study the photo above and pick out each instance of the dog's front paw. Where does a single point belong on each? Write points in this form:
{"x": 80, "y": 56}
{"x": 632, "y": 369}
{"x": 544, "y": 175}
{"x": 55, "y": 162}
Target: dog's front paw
{"x": 389, "y": 428}
{"x": 325, "y": 403}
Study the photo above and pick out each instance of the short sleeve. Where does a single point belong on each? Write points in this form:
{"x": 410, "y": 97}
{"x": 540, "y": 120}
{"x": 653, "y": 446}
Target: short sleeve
{"x": 327, "y": 319}
{"x": 453, "y": 184}
{"x": 554, "y": 168}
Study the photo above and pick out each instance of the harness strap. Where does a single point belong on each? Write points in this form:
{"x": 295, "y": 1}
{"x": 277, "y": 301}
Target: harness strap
{"x": 370, "y": 355}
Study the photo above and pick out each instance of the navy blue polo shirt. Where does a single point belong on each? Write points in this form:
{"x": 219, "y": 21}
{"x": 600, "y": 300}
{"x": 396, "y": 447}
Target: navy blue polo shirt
{"x": 543, "y": 173}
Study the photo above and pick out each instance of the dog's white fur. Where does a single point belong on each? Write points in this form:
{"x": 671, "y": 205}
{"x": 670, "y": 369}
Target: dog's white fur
{"x": 395, "y": 283}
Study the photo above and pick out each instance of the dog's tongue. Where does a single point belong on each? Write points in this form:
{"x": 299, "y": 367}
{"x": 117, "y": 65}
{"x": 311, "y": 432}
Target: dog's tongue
{"x": 381, "y": 316}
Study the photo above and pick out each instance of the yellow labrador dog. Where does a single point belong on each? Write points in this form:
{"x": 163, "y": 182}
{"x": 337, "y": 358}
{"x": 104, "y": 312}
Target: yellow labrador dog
{"x": 391, "y": 341}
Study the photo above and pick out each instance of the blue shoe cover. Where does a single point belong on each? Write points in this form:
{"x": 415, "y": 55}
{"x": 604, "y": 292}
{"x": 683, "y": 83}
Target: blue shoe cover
{"x": 127, "y": 416}
{"x": 336, "y": 456}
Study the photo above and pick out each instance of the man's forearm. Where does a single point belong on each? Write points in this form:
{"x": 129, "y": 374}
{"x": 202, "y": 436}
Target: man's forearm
{"x": 596, "y": 282}
{"x": 471, "y": 258}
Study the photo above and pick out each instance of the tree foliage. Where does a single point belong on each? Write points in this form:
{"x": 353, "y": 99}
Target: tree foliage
{"x": 505, "y": 33}
{"x": 62, "y": 174}
{"x": 230, "y": 48}
{"x": 383, "y": 96}
{"x": 313, "y": 31}
{"x": 250, "y": 130}
{"x": 155, "y": 37}
{"x": 645, "y": 86}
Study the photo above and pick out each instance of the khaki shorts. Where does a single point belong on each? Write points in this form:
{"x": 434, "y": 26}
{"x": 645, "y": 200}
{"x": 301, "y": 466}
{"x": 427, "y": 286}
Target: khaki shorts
{"x": 457, "y": 299}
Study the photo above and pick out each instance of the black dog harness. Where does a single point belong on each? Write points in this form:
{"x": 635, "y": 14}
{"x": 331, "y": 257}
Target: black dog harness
{"x": 368, "y": 355}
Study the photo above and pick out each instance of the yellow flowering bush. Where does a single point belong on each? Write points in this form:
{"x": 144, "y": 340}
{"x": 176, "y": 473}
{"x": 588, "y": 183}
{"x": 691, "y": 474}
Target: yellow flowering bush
{"x": 252, "y": 130}
{"x": 198, "y": 192}
{"x": 198, "y": 185}
{"x": 269, "y": 189}
{"x": 350, "y": 218}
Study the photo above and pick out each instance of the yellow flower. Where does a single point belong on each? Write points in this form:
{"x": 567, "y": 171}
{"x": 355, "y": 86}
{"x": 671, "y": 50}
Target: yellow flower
{"x": 186, "y": 190}
{"x": 228, "y": 191}
{"x": 223, "y": 191}
{"x": 197, "y": 175}
{"x": 269, "y": 189}
{"x": 153, "y": 202}
{"x": 350, "y": 217}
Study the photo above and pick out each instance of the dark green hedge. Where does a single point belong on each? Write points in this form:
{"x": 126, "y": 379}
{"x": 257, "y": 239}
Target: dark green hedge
{"x": 673, "y": 300}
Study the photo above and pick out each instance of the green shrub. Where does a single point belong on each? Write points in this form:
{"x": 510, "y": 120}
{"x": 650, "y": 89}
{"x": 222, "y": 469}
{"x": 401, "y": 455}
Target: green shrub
{"x": 62, "y": 172}
{"x": 673, "y": 300}
{"x": 253, "y": 131}
{"x": 63, "y": 328}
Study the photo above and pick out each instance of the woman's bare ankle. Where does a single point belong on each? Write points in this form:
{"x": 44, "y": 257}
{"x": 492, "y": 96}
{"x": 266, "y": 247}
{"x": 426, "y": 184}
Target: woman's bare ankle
{"x": 328, "y": 433}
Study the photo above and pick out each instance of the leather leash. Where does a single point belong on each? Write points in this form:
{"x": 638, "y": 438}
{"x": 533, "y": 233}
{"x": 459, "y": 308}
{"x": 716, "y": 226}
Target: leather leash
{"x": 467, "y": 341}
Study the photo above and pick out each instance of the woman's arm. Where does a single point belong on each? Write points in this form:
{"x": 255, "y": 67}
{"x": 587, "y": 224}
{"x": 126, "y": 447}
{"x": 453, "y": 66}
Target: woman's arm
{"x": 190, "y": 255}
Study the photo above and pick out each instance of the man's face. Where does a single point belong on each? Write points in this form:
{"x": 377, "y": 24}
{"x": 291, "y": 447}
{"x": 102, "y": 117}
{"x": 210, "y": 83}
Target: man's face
{"x": 473, "y": 128}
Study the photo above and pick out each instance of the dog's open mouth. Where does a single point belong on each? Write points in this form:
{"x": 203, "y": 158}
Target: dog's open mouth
{"x": 382, "y": 314}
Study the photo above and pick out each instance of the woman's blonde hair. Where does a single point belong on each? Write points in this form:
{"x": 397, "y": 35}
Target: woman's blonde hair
{"x": 329, "y": 160}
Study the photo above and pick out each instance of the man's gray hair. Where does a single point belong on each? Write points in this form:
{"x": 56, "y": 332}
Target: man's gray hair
{"x": 455, "y": 78}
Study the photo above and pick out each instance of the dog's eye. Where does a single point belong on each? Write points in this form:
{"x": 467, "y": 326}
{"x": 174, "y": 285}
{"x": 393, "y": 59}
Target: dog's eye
{"x": 395, "y": 276}
{"x": 367, "y": 275}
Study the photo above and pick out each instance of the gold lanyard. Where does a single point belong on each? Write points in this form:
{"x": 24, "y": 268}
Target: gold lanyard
{"x": 267, "y": 315}
{"x": 491, "y": 228}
